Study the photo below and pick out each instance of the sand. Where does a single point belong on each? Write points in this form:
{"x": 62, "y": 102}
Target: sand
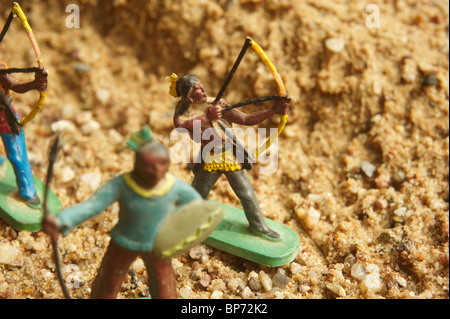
{"x": 362, "y": 164}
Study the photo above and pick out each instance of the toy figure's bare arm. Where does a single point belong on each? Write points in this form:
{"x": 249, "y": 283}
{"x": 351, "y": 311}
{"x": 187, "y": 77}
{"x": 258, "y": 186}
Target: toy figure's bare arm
{"x": 238, "y": 117}
{"x": 9, "y": 82}
{"x": 188, "y": 124}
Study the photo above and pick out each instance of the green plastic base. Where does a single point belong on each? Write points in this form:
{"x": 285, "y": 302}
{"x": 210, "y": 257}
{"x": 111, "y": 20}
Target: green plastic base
{"x": 13, "y": 210}
{"x": 233, "y": 236}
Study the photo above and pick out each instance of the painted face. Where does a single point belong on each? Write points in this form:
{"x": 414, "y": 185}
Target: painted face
{"x": 151, "y": 168}
{"x": 197, "y": 93}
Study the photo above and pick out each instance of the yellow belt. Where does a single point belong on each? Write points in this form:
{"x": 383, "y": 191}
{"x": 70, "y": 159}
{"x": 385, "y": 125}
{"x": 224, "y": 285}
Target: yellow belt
{"x": 220, "y": 162}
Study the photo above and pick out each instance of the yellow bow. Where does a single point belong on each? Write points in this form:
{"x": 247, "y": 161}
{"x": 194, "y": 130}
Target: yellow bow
{"x": 281, "y": 92}
{"x": 17, "y": 11}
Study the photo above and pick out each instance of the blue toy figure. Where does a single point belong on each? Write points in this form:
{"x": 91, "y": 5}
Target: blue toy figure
{"x": 12, "y": 133}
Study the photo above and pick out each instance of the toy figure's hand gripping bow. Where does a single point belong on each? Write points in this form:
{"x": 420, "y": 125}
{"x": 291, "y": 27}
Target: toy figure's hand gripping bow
{"x": 17, "y": 11}
{"x": 282, "y": 93}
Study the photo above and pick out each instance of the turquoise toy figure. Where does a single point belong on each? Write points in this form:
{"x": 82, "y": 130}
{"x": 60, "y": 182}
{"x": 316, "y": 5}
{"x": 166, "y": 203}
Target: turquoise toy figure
{"x": 159, "y": 217}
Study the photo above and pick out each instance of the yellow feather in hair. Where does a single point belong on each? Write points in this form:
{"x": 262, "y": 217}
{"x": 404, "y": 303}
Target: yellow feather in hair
{"x": 173, "y": 80}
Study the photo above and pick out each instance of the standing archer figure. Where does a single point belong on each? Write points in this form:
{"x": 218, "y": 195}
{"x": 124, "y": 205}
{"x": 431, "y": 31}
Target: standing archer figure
{"x": 12, "y": 133}
{"x": 196, "y": 108}
{"x": 11, "y": 123}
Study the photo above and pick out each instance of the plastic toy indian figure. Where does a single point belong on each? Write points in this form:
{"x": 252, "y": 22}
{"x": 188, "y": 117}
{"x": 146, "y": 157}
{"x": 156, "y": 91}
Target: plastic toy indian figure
{"x": 209, "y": 122}
{"x": 11, "y": 123}
{"x": 196, "y": 108}
{"x": 152, "y": 201}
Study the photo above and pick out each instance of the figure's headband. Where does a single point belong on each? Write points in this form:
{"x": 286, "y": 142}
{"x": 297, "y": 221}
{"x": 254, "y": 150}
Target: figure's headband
{"x": 141, "y": 137}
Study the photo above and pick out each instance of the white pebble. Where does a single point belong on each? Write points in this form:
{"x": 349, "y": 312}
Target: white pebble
{"x": 8, "y": 254}
{"x": 265, "y": 281}
{"x": 296, "y": 268}
{"x": 401, "y": 281}
{"x": 90, "y": 127}
{"x": 92, "y": 180}
{"x": 311, "y": 218}
{"x": 62, "y": 126}
{"x": 373, "y": 269}
{"x": 217, "y": 295}
{"x": 368, "y": 168}
{"x": 358, "y": 271}
{"x": 236, "y": 285}
{"x": 185, "y": 292}
{"x": 315, "y": 198}
{"x": 371, "y": 282}
{"x": 335, "y": 44}
{"x": 83, "y": 117}
{"x": 138, "y": 265}
{"x": 247, "y": 293}
{"x": 103, "y": 95}
{"x": 336, "y": 289}
{"x": 26, "y": 239}
{"x": 65, "y": 174}
{"x": 68, "y": 111}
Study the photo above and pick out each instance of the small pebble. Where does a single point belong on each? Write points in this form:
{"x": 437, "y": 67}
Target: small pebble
{"x": 236, "y": 285}
{"x": 296, "y": 268}
{"x": 280, "y": 279}
{"x": 371, "y": 282}
{"x": 255, "y": 284}
{"x": 83, "y": 117}
{"x": 138, "y": 265}
{"x": 358, "y": 271}
{"x": 102, "y": 95}
{"x": 90, "y": 127}
{"x": 68, "y": 111}
{"x": 82, "y": 67}
{"x": 217, "y": 285}
{"x": 247, "y": 293}
{"x": 8, "y": 254}
{"x": 217, "y": 294}
{"x": 62, "y": 126}
{"x": 335, "y": 44}
{"x": 185, "y": 292}
{"x": 367, "y": 168}
{"x": 311, "y": 218}
{"x": 205, "y": 281}
{"x": 336, "y": 289}
{"x": 65, "y": 174}
{"x": 349, "y": 261}
{"x": 199, "y": 251}
{"x": 266, "y": 282}
{"x": 429, "y": 79}
{"x": 381, "y": 203}
{"x": 399, "y": 177}
{"x": 92, "y": 180}
{"x": 382, "y": 181}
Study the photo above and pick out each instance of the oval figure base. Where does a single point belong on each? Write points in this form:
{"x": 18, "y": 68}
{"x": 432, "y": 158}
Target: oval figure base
{"x": 13, "y": 210}
{"x": 232, "y": 236}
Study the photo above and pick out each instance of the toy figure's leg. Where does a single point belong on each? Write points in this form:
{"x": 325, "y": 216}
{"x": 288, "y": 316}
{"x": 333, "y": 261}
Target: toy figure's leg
{"x": 17, "y": 154}
{"x": 112, "y": 272}
{"x": 161, "y": 277}
{"x": 1, "y": 160}
{"x": 243, "y": 188}
{"x": 204, "y": 181}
